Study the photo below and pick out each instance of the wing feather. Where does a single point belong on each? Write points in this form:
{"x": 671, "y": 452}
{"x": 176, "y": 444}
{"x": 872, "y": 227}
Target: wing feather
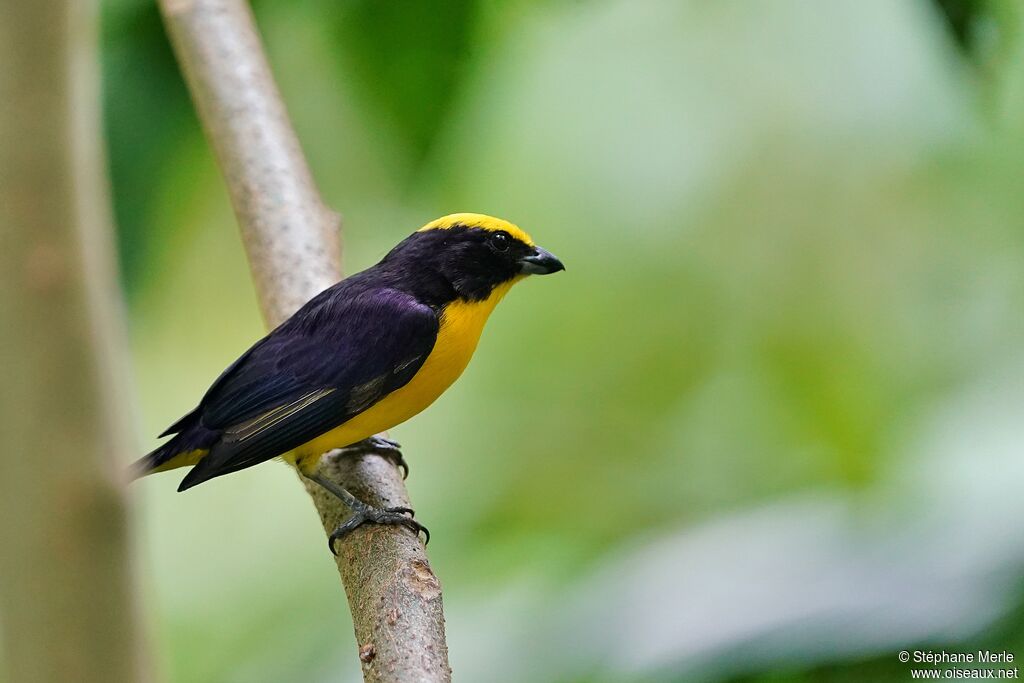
{"x": 312, "y": 374}
{"x": 252, "y": 428}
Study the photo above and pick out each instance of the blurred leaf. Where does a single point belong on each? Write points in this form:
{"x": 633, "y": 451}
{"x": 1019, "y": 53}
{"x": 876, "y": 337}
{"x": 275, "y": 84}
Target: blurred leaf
{"x": 409, "y": 59}
{"x": 962, "y": 17}
{"x": 148, "y": 115}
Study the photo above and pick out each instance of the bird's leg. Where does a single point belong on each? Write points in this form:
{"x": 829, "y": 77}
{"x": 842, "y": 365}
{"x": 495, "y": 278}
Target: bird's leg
{"x": 364, "y": 514}
{"x": 378, "y": 445}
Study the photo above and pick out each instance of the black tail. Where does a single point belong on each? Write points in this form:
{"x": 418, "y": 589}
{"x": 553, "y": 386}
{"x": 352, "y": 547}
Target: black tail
{"x": 191, "y": 438}
{"x": 152, "y": 460}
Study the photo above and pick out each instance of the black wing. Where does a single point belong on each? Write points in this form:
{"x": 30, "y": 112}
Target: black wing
{"x": 336, "y": 357}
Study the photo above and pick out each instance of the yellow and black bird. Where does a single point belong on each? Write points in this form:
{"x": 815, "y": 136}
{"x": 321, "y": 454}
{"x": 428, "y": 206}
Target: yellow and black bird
{"x": 362, "y": 356}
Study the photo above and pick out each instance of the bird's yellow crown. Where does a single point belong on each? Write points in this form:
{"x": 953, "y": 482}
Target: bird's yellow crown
{"x": 479, "y": 220}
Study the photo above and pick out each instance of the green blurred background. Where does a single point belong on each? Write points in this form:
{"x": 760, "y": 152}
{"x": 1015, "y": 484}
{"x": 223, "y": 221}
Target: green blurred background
{"x": 767, "y": 426}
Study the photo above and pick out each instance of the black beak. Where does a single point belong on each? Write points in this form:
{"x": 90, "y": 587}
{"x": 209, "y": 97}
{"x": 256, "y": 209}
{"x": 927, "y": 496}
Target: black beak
{"x": 540, "y": 262}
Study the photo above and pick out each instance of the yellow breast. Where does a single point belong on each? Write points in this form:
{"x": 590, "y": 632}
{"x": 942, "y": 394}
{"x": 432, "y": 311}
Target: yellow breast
{"x": 461, "y": 325}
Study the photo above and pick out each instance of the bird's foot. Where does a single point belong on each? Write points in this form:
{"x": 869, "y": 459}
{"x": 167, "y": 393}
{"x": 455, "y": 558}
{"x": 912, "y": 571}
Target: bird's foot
{"x": 378, "y": 445}
{"x": 371, "y": 515}
{"x": 366, "y": 514}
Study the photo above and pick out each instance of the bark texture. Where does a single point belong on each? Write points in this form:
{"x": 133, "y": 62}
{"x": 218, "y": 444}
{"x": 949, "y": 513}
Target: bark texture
{"x": 66, "y": 581}
{"x": 293, "y": 245}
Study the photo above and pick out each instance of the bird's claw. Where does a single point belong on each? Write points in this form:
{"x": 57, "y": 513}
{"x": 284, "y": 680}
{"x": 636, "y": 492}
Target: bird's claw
{"x": 385, "y": 448}
{"x": 384, "y": 443}
{"x": 372, "y": 515}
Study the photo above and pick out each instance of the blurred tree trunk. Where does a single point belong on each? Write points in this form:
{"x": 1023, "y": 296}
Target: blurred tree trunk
{"x": 67, "y": 606}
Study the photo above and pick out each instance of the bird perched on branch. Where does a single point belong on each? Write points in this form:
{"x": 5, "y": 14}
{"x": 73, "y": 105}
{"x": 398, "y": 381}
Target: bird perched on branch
{"x": 364, "y": 355}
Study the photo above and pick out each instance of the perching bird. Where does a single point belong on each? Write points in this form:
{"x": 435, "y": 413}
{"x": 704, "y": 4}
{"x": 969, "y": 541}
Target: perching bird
{"x": 364, "y": 355}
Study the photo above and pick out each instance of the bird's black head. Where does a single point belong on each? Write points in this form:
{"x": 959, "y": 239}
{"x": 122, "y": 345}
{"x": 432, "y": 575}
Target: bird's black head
{"x": 472, "y": 254}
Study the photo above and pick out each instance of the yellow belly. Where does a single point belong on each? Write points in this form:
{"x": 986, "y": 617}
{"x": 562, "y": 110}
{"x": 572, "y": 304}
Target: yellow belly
{"x": 461, "y": 325}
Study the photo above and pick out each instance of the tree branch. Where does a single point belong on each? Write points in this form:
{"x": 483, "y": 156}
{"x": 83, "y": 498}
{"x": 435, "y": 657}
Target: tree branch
{"x": 66, "y": 580}
{"x": 292, "y": 242}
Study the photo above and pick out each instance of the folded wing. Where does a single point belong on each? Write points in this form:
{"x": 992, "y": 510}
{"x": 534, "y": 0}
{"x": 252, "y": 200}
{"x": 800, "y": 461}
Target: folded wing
{"x": 335, "y": 358}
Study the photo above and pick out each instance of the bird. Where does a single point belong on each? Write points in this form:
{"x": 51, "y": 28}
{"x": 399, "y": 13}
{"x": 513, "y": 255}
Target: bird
{"x": 362, "y": 356}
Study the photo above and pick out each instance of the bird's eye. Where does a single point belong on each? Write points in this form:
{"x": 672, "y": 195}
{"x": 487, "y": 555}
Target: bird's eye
{"x": 501, "y": 241}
